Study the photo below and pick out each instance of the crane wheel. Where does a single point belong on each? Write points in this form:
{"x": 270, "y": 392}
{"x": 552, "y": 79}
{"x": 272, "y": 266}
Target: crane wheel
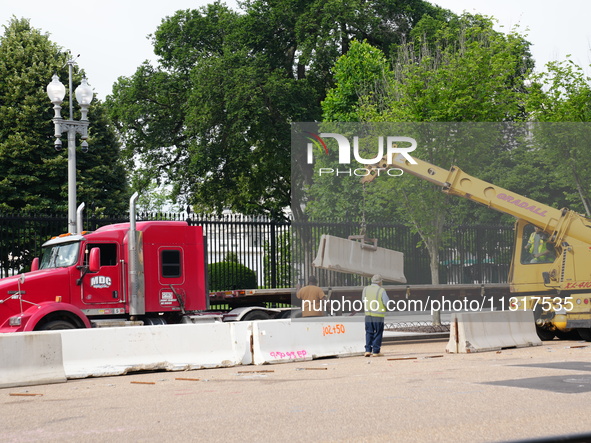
{"x": 545, "y": 334}
{"x": 585, "y": 333}
{"x": 573, "y": 334}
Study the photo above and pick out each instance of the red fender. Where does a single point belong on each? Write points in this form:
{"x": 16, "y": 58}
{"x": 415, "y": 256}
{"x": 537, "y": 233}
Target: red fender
{"x": 38, "y": 312}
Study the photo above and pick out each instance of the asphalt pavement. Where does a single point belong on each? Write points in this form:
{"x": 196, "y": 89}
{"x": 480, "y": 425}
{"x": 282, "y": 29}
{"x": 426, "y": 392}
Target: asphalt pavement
{"x": 414, "y": 393}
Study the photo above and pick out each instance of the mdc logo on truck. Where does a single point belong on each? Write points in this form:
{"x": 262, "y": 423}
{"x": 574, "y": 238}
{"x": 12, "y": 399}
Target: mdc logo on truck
{"x": 100, "y": 282}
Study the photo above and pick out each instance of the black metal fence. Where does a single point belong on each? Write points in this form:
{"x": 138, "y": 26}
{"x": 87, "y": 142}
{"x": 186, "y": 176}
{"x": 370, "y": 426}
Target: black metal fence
{"x": 280, "y": 253}
{"x": 470, "y": 254}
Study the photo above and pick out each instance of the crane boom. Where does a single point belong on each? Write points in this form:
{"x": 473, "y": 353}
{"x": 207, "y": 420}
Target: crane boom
{"x": 456, "y": 182}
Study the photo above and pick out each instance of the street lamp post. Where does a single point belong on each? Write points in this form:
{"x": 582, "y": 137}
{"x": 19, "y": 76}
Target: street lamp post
{"x": 56, "y": 92}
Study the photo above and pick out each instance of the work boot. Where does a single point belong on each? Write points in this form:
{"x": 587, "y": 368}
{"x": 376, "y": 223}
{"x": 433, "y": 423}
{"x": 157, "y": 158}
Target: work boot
{"x": 379, "y": 354}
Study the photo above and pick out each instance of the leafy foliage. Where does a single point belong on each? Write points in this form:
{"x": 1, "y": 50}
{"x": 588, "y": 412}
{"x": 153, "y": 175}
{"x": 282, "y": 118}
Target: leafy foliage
{"x": 213, "y": 118}
{"x": 563, "y": 94}
{"x": 228, "y": 275}
{"x": 33, "y": 175}
{"x": 457, "y": 70}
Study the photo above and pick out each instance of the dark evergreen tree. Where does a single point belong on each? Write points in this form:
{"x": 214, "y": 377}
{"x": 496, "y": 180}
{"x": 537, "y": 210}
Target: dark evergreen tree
{"x": 33, "y": 175}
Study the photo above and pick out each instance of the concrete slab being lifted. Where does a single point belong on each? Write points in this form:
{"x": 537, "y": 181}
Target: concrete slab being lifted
{"x": 356, "y": 257}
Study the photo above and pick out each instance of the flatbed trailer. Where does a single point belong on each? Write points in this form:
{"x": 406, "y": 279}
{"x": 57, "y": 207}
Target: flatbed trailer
{"x": 411, "y": 298}
{"x": 251, "y": 297}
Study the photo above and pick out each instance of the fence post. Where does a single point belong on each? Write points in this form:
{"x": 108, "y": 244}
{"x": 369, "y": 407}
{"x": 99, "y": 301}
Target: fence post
{"x": 273, "y": 254}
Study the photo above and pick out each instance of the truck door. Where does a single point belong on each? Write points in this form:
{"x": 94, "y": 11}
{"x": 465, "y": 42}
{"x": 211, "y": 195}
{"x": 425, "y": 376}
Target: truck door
{"x": 171, "y": 277}
{"x": 105, "y": 286}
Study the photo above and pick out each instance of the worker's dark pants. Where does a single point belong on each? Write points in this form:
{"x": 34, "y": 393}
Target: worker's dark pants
{"x": 374, "y": 330}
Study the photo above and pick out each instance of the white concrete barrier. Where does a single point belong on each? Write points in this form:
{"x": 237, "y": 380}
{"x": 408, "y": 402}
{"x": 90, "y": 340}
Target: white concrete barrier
{"x": 277, "y": 341}
{"x": 491, "y": 331}
{"x": 30, "y": 358}
{"x": 119, "y": 350}
{"x": 50, "y": 357}
{"x": 343, "y": 255}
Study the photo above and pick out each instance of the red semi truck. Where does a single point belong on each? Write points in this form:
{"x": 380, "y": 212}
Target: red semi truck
{"x": 151, "y": 272}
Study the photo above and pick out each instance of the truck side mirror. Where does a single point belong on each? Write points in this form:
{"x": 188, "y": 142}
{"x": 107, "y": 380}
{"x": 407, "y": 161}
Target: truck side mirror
{"x": 94, "y": 261}
{"x": 35, "y": 264}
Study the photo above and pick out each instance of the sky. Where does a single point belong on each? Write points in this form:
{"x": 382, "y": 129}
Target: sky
{"x": 555, "y": 29}
{"x": 111, "y": 36}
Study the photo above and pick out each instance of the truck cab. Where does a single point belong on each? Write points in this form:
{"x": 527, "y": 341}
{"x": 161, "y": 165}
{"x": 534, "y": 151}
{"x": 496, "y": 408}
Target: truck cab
{"x": 86, "y": 279}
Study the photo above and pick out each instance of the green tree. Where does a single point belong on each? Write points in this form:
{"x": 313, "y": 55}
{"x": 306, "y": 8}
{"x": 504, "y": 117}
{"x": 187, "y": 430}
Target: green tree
{"x": 33, "y": 174}
{"x": 562, "y": 93}
{"x": 454, "y": 71}
{"x": 364, "y": 71}
{"x": 559, "y": 100}
{"x": 213, "y": 118}
{"x": 472, "y": 73}
{"x": 147, "y": 111}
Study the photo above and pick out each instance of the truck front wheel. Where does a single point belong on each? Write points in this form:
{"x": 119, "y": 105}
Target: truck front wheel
{"x": 56, "y": 325}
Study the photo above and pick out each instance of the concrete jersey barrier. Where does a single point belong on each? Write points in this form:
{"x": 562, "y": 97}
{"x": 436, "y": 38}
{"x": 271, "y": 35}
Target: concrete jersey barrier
{"x": 276, "y": 341}
{"x": 119, "y": 350}
{"x": 343, "y": 255}
{"x": 491, "y": 331}
{"x": 31, "y": 358}
{"x": 50, "y": 357}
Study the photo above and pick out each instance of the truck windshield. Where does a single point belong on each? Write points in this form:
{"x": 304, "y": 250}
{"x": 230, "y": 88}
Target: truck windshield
{"x": 59, "y": 256}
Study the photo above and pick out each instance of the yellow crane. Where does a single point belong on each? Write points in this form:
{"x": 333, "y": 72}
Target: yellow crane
{"x": 551, "y": 265}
